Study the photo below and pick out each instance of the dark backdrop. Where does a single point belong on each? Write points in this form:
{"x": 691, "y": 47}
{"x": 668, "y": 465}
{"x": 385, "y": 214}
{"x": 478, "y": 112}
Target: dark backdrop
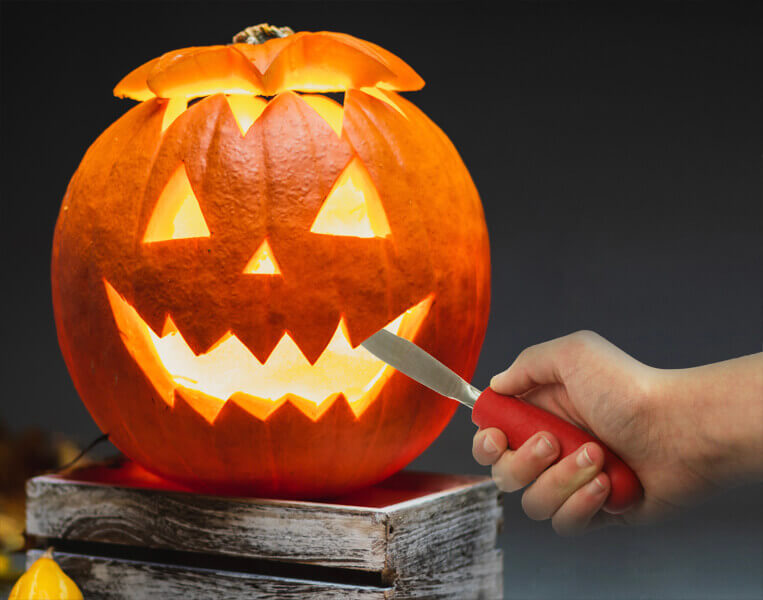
{"x": 616, "y": 149}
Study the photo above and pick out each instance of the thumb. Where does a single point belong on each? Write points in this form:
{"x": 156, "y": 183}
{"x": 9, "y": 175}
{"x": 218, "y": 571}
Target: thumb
{"x": 535, "y": 366}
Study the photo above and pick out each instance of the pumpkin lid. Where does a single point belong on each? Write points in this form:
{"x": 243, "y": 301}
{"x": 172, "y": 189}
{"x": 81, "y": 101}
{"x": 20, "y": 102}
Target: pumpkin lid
{"x": 321, "y": 61}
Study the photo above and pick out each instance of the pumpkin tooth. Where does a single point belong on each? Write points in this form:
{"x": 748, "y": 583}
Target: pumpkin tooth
{"x": 387, "y": 97}
{"x": 329, "y": 110}
{"x": 172, "y": 110}
{"x": 246, "y": 109}
{"x": 312, "y": 410}
{"x": 259, "y": 408}
{"x": 229, "y": 370}
{"x": 207, "y": 406}
{"x": 313, "y": 341}
{"x": 308, "y": 439}
{"x": 201, "y": 337}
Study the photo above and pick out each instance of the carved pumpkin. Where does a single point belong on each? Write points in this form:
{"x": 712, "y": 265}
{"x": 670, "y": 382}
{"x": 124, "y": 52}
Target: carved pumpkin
{"x": 216, "y": 265}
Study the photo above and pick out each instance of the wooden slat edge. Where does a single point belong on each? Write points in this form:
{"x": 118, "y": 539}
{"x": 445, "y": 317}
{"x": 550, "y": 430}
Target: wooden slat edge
{"x": 306, "y": 533}
{"x": 113, "y": 579}
{"x": 469, "y": 487}
{"x": 446, "y": 534}
{"x": 482, "y": 579}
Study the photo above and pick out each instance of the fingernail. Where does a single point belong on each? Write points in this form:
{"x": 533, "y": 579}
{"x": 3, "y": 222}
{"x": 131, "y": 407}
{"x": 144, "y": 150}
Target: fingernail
{"x": 543, "y": 448}
{"x": 489, "y": 445}
{"x": 583, "y": 459}
{"x": 595, "y": 487}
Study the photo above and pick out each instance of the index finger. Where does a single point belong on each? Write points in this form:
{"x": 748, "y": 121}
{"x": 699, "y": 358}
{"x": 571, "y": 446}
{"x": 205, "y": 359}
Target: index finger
{"x": 535, "y": 366}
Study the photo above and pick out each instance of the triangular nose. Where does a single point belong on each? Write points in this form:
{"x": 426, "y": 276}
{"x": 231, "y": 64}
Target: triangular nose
{"x": 263, "y": 262}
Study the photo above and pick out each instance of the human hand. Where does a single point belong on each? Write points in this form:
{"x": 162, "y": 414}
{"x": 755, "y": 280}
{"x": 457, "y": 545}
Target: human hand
{"x": 647, "y": 416}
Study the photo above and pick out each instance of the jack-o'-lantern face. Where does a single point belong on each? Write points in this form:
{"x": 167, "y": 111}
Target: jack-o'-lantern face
{"x": 216, "y": 266}
{"x": 227, "y": 367}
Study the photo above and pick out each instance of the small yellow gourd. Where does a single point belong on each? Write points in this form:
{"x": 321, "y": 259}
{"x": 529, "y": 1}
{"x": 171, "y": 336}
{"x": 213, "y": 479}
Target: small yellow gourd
{"x": 45, "y": 581}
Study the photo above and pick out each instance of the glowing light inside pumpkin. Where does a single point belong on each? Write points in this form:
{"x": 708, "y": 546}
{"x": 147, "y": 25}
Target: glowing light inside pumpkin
{"x": 177, "y": 214}
{"x": 384, "y": 97}
{"x": 331, "y": 111}
{"x": 353, "y": 207}
{"x": 229, "y": 369}
{"x": 263, "y": 262}
{"x": 310, "y": 78}
{"x": 175, "y": 107}
{"x": 246, "y": 109}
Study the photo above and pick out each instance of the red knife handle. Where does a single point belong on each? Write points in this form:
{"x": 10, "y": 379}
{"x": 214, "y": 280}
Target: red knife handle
{"x": 520, "y": 421}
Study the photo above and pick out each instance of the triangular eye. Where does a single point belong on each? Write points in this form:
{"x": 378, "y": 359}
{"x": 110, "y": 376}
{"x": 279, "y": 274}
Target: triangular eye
{"x": 263, "y": 262}
{"x": 353, "y": 207}
{"x": 177, "y": 214}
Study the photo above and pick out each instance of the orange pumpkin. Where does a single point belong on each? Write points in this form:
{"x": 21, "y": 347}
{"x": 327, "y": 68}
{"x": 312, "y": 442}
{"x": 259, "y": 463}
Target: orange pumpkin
{"x": 217, "y": 264}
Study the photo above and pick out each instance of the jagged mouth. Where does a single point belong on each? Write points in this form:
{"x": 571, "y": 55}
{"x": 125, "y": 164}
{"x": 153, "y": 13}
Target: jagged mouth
{"x": 229, "y": 370}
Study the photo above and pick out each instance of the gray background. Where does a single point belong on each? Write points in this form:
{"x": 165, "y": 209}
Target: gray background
{"x": 616, "y": 149}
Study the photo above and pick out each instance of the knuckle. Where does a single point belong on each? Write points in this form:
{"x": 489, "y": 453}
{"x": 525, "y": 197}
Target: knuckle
{"x": 575, "y": 346}
{"x": 540, "y": 450}
{"x": 557, "y": 479}
{"x": 524, "y": 355}
{"x": 504, "y": 486}
{"x": 504, "y": 477}
{"x": 582, "y": 340}
{"x": 486, "y": 455}
{"x": 586, "y": 337}
{"x": 596, "y": 454}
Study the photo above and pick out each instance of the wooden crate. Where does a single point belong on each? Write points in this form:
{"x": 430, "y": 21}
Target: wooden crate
{"x": 416, "y": 535}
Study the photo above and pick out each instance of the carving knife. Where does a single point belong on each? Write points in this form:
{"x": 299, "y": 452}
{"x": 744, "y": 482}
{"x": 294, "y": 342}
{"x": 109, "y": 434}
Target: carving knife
{"x": 517, "y": 419}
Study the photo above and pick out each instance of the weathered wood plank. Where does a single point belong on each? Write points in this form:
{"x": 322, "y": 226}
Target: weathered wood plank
{"x": 112, "y": 579}
{"x": 421, "y": 535}
{"x": 481, "y": 579}
{"x": 443, "y": 532}
{"x": 459, "y": 521}
{"x": 312, "y": 533}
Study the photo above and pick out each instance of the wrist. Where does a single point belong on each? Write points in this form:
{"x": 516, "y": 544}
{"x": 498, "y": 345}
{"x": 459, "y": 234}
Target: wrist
{"x": 714, "y": 415}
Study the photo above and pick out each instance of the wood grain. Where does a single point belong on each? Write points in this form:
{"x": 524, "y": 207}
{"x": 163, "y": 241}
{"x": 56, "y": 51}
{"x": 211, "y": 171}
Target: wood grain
{"x": 336, "y": 536}
{"x": 422, "y": 535}
{"x": 443, "y": 532}
{"x": 111, "y": 579}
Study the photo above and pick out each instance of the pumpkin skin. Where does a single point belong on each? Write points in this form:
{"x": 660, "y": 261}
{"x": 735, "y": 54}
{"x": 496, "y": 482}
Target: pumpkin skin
{"x": 268, "y": 184}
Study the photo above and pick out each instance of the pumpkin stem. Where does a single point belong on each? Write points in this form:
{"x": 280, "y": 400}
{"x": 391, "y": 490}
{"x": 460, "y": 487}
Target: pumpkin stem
{"x": 259, "y": 34}
{"x": 48, "y": 553}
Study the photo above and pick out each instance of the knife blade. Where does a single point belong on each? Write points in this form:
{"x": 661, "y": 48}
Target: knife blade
{"x": 420, "y": 366}
{"x": 517, "y": 419}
